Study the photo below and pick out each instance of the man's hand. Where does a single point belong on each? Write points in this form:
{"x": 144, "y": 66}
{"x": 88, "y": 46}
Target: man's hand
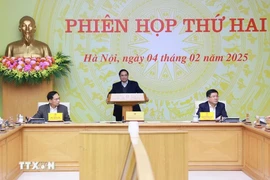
{"x": 218, "y": 118}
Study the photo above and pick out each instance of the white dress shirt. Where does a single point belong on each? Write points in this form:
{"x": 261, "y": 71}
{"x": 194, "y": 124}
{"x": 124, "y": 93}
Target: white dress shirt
{"x": 53, "y": 110}
{"x": 212, "y": 109}
{"x": 124, "y": 84}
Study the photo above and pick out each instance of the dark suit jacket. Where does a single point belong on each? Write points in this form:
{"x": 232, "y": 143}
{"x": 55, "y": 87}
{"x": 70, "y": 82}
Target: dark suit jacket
{"x": 45, "y": 109}
{"x": 132, "y": 87}
{"x": 220, "y": 109}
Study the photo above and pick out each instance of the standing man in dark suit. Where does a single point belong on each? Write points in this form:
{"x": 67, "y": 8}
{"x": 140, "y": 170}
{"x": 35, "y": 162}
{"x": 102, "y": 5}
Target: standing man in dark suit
{"x": 212, "y": 105}
{"x": 53, "y": 106}
{"x": 125, "y": 86}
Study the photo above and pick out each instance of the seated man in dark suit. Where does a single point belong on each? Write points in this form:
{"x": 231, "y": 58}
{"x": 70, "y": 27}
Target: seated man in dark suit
{"x": 125, "y": 86}
{"x": 53, "y": 106}
{"x": 212, "y": 105}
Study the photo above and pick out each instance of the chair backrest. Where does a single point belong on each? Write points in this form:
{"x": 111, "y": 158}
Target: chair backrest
{"x": 197, "y": 103}
{"x": 67, "y": 104}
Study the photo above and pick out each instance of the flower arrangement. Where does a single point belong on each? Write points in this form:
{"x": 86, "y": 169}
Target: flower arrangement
{"x": 33, "y": 70}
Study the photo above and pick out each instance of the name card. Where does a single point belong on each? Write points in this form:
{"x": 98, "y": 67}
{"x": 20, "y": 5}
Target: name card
{"x": 134, "y": 116}
{"x": 127, "y": 97}
{"x": 55, "y": 117}
{"x": 207, "y": 116}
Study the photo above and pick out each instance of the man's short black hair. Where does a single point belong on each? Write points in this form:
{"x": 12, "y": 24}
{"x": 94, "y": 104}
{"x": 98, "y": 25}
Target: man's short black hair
{"x": 51, "y": 94}
{"x": 122, "y": 71}
{"x": 210, "y": 91}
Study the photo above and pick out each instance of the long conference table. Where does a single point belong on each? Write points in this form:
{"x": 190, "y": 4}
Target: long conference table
{"x": 211, "y": 146}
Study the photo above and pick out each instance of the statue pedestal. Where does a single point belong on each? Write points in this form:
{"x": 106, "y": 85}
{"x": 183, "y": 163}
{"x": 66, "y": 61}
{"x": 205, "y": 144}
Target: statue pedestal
{"x": 23, "y": 99}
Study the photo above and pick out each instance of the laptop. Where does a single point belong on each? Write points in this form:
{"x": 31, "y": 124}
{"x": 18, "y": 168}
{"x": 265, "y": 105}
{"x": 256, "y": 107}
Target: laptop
{"x": 36, "y": 121}
{"x": 231, "y": 119}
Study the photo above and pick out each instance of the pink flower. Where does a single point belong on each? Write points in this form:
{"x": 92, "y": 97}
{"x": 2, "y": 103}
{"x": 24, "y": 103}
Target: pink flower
{"x": 37, "y": 68}
{"x": 19, "y": 67}
{"x": 41, "y": 64}
{"x": 48, "y": 58}
{"x": 21, "y": 62}
{"x": 46, "y": 63}
{"x": 10, "y": 67}
{"x": 27, "y": 60}
{"x": 32, "y": 62}
{"x": 27, "y": 68}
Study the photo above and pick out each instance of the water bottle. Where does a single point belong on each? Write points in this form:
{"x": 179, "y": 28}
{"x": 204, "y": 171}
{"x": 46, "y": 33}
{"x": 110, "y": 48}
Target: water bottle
{"x": 20, "y": 120}
{"x": 1, "y": 121}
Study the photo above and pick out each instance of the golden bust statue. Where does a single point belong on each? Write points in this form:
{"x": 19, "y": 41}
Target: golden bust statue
{"x": 27, "y": 46}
